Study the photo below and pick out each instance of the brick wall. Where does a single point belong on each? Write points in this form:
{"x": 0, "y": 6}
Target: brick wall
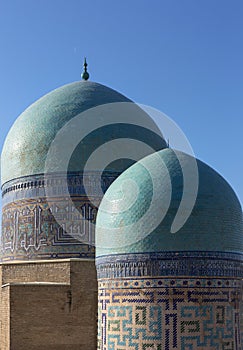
{"x": 52, "y": 305}
{"x": 43, "y": 271}
{"x": 5, "y": 319}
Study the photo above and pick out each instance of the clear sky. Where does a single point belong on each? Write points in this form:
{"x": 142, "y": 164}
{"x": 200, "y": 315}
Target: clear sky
{"x": 183, "y": 57}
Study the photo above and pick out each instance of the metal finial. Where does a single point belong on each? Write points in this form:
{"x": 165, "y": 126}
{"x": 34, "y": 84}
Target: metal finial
{"x": 85, "y": 74}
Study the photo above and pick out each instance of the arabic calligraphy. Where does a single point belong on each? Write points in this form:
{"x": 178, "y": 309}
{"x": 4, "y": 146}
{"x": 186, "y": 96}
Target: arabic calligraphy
{"x": 29, "y": 226}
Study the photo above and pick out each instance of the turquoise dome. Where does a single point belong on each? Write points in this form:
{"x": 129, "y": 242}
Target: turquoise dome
{"x": 27, "y": 144}
{"x": 215, "y": 223}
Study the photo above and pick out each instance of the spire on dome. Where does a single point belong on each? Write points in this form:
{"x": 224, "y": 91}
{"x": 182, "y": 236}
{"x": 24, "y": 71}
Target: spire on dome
{"x": 85, "y": 74}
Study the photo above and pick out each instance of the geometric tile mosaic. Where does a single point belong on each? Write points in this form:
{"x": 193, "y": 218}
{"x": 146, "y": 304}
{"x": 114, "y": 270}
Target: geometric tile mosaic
{"x": 141, "y": 314}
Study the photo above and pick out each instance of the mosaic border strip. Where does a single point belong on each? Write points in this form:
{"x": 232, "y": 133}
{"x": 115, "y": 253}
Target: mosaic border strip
{"x": 161, "y": 282}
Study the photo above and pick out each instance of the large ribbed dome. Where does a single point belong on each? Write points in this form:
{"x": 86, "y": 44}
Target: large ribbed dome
{"x": 215, "y": 223}
{"x": 29, "y": 139}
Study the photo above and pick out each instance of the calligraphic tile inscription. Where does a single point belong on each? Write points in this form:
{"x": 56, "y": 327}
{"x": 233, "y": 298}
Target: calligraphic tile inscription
{"x": 61, "y": 225}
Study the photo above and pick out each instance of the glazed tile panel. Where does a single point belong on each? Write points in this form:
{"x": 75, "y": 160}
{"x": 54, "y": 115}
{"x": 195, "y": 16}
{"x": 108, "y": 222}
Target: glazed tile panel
{"x": 167, "y": 313}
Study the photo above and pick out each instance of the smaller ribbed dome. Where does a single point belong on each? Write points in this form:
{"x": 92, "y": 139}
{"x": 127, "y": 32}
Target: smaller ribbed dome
{"x": 215, "y": 223}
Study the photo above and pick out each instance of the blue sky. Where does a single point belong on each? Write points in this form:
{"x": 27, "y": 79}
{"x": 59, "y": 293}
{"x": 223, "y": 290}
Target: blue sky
{"x": 181, "y": 57}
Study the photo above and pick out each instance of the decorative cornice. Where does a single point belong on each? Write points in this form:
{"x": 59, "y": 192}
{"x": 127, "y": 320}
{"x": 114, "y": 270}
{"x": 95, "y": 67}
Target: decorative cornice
{"x": 214, "y": 264}
{"x": 59, "y": 184}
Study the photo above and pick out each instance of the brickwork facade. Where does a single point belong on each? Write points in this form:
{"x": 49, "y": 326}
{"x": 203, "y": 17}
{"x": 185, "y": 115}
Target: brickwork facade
{"x": 48, "y": 305}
